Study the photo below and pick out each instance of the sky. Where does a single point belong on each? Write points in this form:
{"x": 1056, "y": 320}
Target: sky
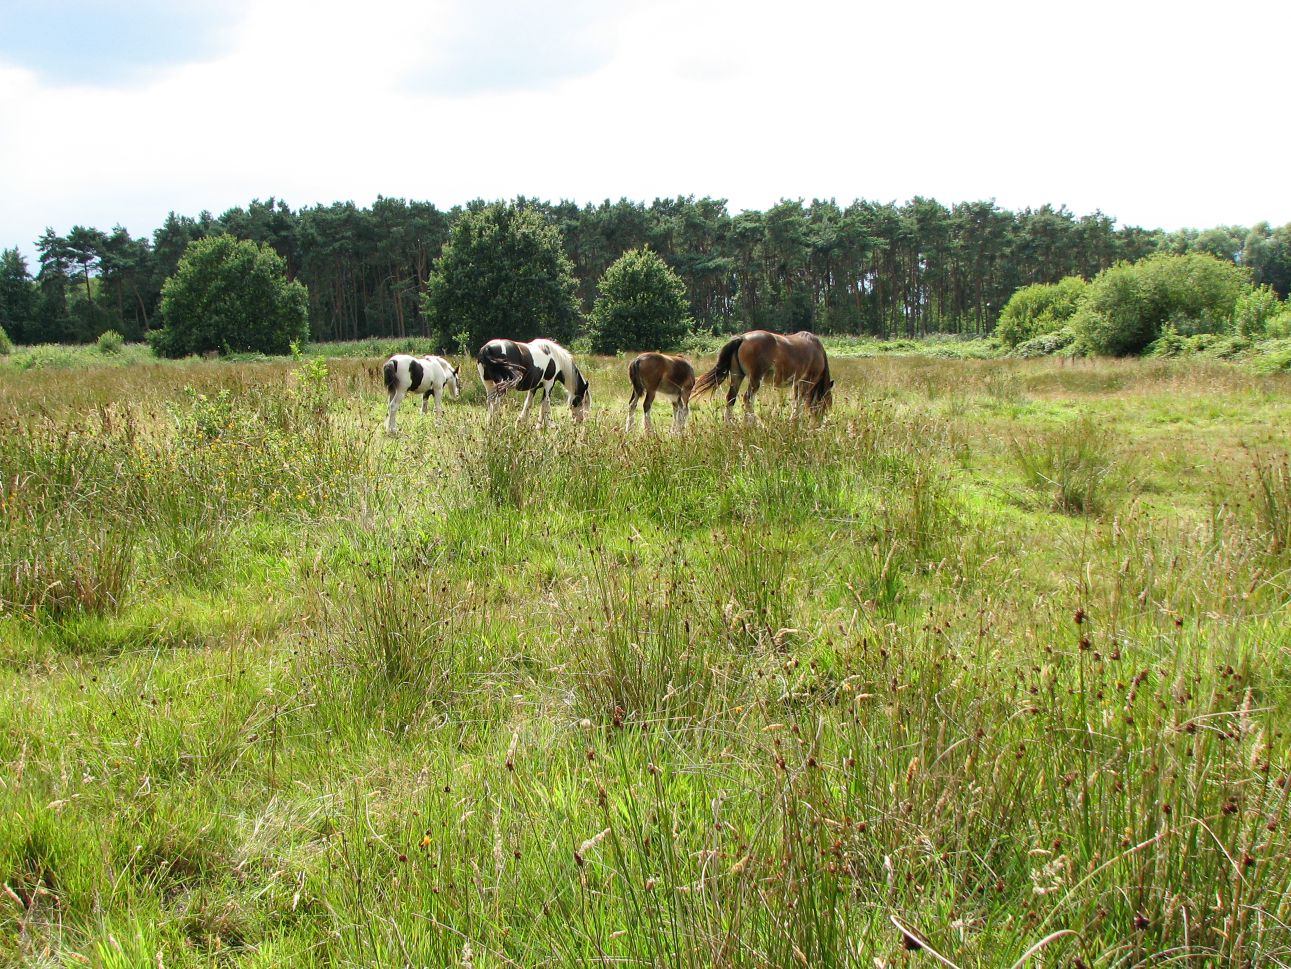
{"x": 1158, "y": 114}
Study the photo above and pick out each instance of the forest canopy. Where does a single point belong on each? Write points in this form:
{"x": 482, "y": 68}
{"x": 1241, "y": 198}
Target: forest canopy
{"x": 866, "y": 268}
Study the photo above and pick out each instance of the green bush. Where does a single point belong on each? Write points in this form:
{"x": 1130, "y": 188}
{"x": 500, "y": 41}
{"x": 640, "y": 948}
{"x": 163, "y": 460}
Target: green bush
{"x": 110, "y": 341}
{"x": 642, "y": 306}
{"x": 1168, "y": 344}
{"x": 1126, "y": 306}
{"x": 232, "y": 296}
{"x": 1038, "y": 309}
{"x": 503, "y": 273}
{"x": 49, "y": 356}
{"x": 1046, "y": 344}
{"x": 1255, "y": 309}
{"x": 6, "y": 345}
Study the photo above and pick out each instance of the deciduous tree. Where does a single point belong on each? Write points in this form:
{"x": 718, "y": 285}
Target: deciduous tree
{"x": 231, "y": 295}
{"x": 642, "y": 305}
{"x": 503, "y": 273}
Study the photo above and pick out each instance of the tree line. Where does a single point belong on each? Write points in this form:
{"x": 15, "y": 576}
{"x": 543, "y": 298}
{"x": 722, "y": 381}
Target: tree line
{"x": 871, "y": 268}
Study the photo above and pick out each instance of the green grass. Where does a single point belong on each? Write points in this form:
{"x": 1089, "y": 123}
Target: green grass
{"x": 997, "y": 653}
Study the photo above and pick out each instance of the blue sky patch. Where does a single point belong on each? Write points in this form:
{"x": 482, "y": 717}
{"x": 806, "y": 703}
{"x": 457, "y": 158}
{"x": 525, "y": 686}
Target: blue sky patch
{"x": 93, "y": 42}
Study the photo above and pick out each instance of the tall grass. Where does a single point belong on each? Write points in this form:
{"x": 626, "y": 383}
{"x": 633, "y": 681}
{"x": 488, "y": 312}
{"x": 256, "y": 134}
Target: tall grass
{"x": 1074, "y": 465}
{"x": 1271, "y": 500}
{"x": 279, "y": 690}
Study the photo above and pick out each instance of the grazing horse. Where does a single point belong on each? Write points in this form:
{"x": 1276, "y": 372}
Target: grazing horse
{"x": 670, "y": 377}
{"x": 417, "y": 375}
{"x": 531, "y": 367}
{"x": 798, "y": 359}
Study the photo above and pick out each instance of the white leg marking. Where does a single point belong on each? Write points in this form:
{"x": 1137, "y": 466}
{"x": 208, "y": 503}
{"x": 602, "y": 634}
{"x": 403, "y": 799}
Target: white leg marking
{"x": 395, "y": 400}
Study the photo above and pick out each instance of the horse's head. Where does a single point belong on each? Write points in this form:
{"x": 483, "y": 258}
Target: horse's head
{"x": 824, "y": 397}
{"x": 581, "y": 400}
{"x": 455, "y": 382}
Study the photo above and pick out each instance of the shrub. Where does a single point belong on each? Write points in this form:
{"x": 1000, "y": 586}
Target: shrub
{"x": 110, "y": 341}
{"x": 1254, "y": 309}
{"x": 6, "y": 345}
{"x": 503, "y": 273}
{"x": 230, "y": 295}
{"x": 1038, "y": 309}
{"x": 1046, "y": 344}
{"x": 1126, "y": 306}
{"x": 48, "y": 356}
{"x": 1168, "y": 344}
{"x": 642, "y": 306}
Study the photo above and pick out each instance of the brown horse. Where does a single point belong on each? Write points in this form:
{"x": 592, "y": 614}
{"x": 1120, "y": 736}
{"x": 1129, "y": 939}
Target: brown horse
{"x": 663, "y": 374}
{"x": 798, "y": 359}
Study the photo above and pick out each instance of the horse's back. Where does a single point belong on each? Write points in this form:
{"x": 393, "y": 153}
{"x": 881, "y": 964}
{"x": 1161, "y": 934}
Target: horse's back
{"x": 665, "y": 370}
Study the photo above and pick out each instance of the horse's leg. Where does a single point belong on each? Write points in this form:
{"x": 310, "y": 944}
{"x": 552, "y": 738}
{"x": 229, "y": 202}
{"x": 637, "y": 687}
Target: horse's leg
{"x": 732, "y": 394}
{"x": 524, "y": 411}
{"x": 396, "y": 399}
{"x": 439, "y": 393}
{"x": 645, "y": 410}
{"x": 749, "y": 396}
{"x": 425, "y": 399}
{"x": 679, "y": 410}
{"x": 632, "y": 417}
{"x": 545, "y": 409}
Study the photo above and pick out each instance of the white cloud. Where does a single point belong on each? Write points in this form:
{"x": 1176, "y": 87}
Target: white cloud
{"x": 1151, "y": 113}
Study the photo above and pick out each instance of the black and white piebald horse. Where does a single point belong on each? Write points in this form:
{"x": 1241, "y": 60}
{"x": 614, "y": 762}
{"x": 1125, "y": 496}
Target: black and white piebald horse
{"x": 532, "y": 367}
{"x": 418, "y": 375}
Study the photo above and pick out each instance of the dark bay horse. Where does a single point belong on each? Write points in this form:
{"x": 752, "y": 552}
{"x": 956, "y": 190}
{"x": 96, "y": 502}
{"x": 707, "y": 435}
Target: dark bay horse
{"x": 798, "y": 359}
{"x": 665, "y": 375}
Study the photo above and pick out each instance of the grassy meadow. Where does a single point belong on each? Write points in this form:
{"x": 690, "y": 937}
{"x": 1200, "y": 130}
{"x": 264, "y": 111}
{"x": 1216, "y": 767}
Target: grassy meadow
{"x": 991, "y": 669}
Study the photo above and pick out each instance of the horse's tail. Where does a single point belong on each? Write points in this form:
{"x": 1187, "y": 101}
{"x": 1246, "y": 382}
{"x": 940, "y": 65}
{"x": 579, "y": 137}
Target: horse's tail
{"x": 495, "y": 366}
{"x": 634, "y": 375}
{"x": 726, "y": 361}
{"x": 391, "y": 371}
